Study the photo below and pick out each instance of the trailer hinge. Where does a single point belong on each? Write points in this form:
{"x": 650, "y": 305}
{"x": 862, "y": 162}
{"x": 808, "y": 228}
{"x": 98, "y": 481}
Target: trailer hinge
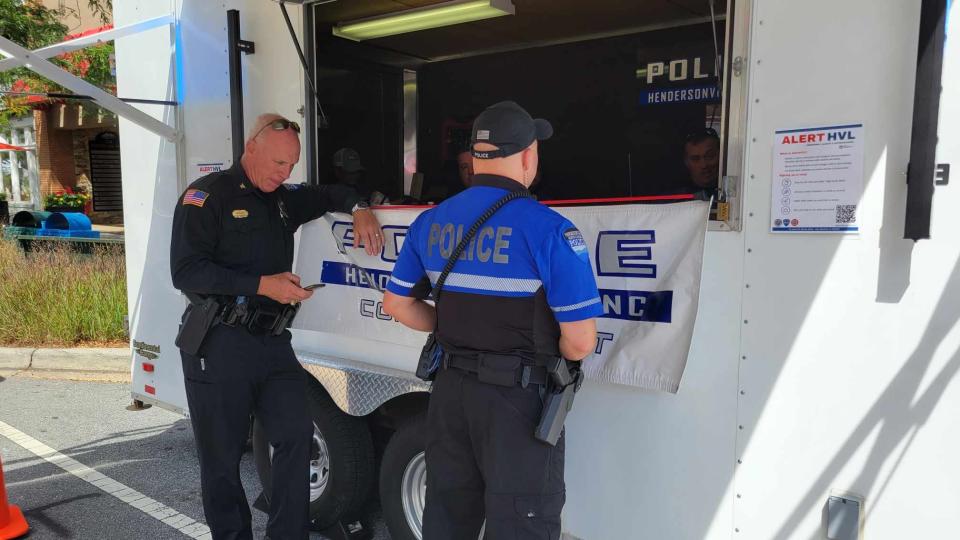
{"x": 942, "y": 175}
{"x": 246, "y": 47}
{"x": 737, "y": 66}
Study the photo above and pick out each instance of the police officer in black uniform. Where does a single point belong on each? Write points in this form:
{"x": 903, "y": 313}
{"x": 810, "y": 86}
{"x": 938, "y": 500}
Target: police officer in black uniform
{"x": 521, "y": 294}
{"x": 232, "y": 248}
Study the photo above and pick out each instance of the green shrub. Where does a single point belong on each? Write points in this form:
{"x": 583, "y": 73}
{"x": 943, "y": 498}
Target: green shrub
{"x": 66, "y": 199}
{"x": 55, "y": 296}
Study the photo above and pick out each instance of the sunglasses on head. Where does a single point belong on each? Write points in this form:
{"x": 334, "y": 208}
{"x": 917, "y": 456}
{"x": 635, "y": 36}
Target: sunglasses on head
{"x": 280, "y": 124}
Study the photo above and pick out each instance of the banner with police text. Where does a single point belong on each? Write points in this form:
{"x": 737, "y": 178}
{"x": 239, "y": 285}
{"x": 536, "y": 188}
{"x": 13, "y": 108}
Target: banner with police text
{"x": 647, "y": 259}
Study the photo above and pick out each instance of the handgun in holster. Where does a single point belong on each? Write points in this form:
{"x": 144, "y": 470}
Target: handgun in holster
{"x": 201, "y": 315}
{"x": 565, "y": 381}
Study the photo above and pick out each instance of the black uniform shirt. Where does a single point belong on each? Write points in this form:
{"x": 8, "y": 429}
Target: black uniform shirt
{"x": 227, "y": 233}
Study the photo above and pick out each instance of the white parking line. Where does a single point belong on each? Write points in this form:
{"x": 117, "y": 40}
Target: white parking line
{"x": 126, "y": 495}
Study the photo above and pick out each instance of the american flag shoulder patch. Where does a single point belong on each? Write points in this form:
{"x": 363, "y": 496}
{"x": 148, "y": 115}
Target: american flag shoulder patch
{"x": 195, "y": 197}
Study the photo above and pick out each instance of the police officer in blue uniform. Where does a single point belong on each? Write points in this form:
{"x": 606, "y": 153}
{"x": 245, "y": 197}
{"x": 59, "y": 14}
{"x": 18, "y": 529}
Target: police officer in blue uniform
{"x": 522, "y": 293}
{"x": 231, "y": 252}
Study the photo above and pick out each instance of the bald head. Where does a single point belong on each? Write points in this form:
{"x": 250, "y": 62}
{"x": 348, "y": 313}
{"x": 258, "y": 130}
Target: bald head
{"x": 270, "y": 152}
{"x": 521, "y": 166}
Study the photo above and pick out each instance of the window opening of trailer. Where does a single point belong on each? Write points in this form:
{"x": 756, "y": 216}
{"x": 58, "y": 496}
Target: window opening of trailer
{"x": 634, "y": 93}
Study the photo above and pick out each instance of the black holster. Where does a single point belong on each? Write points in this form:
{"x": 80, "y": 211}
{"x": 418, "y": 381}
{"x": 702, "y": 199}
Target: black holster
{"x": 198, "y": 320}
{"x": 565, "y": 381}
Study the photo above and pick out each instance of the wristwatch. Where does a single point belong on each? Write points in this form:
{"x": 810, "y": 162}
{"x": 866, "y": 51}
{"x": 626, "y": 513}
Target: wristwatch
{"x": 361, "y": 205}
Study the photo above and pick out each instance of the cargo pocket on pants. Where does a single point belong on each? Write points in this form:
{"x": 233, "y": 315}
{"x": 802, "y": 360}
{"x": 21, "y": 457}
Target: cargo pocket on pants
{"x": 539, "y": 506}
{"x": 195, "y": 369}
{"x": 524, "y": 517}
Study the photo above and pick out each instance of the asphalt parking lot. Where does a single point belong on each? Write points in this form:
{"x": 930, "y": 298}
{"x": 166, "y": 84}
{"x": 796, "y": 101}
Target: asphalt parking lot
{"x": 81, "y": 463}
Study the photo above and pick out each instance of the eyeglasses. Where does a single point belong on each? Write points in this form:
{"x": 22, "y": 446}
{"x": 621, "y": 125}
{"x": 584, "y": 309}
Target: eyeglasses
{"x": 280, "y": 124}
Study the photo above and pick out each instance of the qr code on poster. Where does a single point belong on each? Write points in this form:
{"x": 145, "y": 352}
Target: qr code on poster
{"x": 846, "y": 213}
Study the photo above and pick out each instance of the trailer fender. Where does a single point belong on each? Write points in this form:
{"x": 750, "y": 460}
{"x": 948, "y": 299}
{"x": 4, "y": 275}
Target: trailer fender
{"x": 358, "y": 388}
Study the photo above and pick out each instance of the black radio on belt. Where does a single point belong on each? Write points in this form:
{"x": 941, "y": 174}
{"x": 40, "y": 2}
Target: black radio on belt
{"x": 430, "y": 357}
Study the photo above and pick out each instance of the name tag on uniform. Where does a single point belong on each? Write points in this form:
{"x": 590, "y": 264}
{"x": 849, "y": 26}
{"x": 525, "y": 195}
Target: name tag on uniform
{"x": 240, "y": 214}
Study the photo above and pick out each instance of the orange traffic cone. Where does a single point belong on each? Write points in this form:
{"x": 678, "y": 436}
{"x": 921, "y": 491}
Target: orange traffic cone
{"x": 12, "y": 524}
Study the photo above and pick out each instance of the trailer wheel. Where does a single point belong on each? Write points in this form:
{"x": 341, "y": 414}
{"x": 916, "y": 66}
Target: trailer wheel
{"x": 341, "y": 460}
{"x": 403, "y": 480}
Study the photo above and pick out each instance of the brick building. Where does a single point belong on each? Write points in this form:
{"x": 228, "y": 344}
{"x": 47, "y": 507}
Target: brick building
{"x": 78, "y": 17}
{"x": 71, "y": 148}
{"x": 68, "y": 145}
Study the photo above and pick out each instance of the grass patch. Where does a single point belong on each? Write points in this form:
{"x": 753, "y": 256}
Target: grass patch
{"x": 56, "y": 297}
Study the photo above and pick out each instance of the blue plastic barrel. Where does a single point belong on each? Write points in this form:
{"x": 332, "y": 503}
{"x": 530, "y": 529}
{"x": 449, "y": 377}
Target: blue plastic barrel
{"x": 68, "y": 221}
{"x": 30, "y": 218}
{"x": 69, "y": 224}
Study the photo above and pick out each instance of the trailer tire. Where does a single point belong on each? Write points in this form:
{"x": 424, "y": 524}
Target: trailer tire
{"x": 403, "y": 479}
{"x": 342, "y": 461}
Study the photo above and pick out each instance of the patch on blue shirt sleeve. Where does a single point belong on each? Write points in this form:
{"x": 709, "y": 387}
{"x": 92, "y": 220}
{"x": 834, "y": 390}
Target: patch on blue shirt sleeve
{"x": 293, "y": 187}
{"x": 575, "y": 240}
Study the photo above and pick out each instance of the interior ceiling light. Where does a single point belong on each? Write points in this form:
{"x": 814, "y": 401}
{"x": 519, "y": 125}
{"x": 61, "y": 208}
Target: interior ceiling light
{"x": 435, "y": 16}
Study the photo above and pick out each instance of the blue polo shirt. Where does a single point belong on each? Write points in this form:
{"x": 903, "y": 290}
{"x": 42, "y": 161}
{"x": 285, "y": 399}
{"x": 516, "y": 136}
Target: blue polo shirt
{"x": 525, "y": 269}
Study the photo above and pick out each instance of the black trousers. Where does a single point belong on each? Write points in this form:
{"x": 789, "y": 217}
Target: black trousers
{"x": 240, "y": 374}
{"x": 484, "y": 463}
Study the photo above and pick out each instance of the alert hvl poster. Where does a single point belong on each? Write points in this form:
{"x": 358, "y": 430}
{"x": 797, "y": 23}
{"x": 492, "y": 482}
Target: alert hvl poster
{"x": 817, "y": 180}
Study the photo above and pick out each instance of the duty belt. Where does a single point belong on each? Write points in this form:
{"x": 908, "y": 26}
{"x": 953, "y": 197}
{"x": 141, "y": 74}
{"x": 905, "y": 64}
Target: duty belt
{"x": 259, "y": 319}
{"x": 526, "y": 374}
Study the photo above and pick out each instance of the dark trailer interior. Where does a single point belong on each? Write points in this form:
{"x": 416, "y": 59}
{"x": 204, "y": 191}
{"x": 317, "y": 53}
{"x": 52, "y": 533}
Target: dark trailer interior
{"x": 625, "y": 83}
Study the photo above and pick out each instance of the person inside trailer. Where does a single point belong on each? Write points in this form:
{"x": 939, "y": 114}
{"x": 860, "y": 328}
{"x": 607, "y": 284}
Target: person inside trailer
{"x": 350, "y": 171}
{"x": 701, "y": 158}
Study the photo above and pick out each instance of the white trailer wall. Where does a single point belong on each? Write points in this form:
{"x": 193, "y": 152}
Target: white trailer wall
{"x": 849, "y": 343}
{"x": 821, "y": 362}
{"x": 146, "y": 69}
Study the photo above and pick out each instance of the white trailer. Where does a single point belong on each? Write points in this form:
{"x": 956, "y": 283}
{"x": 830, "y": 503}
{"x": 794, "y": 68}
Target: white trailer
{"x": 818, "y": 397}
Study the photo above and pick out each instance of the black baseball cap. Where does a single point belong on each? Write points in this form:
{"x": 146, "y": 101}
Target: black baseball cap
{"x": 509, "y": 127}
{"x": 348, "y": 159}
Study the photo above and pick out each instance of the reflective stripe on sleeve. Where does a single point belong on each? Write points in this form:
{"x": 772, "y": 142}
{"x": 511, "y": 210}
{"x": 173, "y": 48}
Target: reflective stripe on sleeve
{"x": 571, "y": 307}
{"x": 400, "y": 282}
